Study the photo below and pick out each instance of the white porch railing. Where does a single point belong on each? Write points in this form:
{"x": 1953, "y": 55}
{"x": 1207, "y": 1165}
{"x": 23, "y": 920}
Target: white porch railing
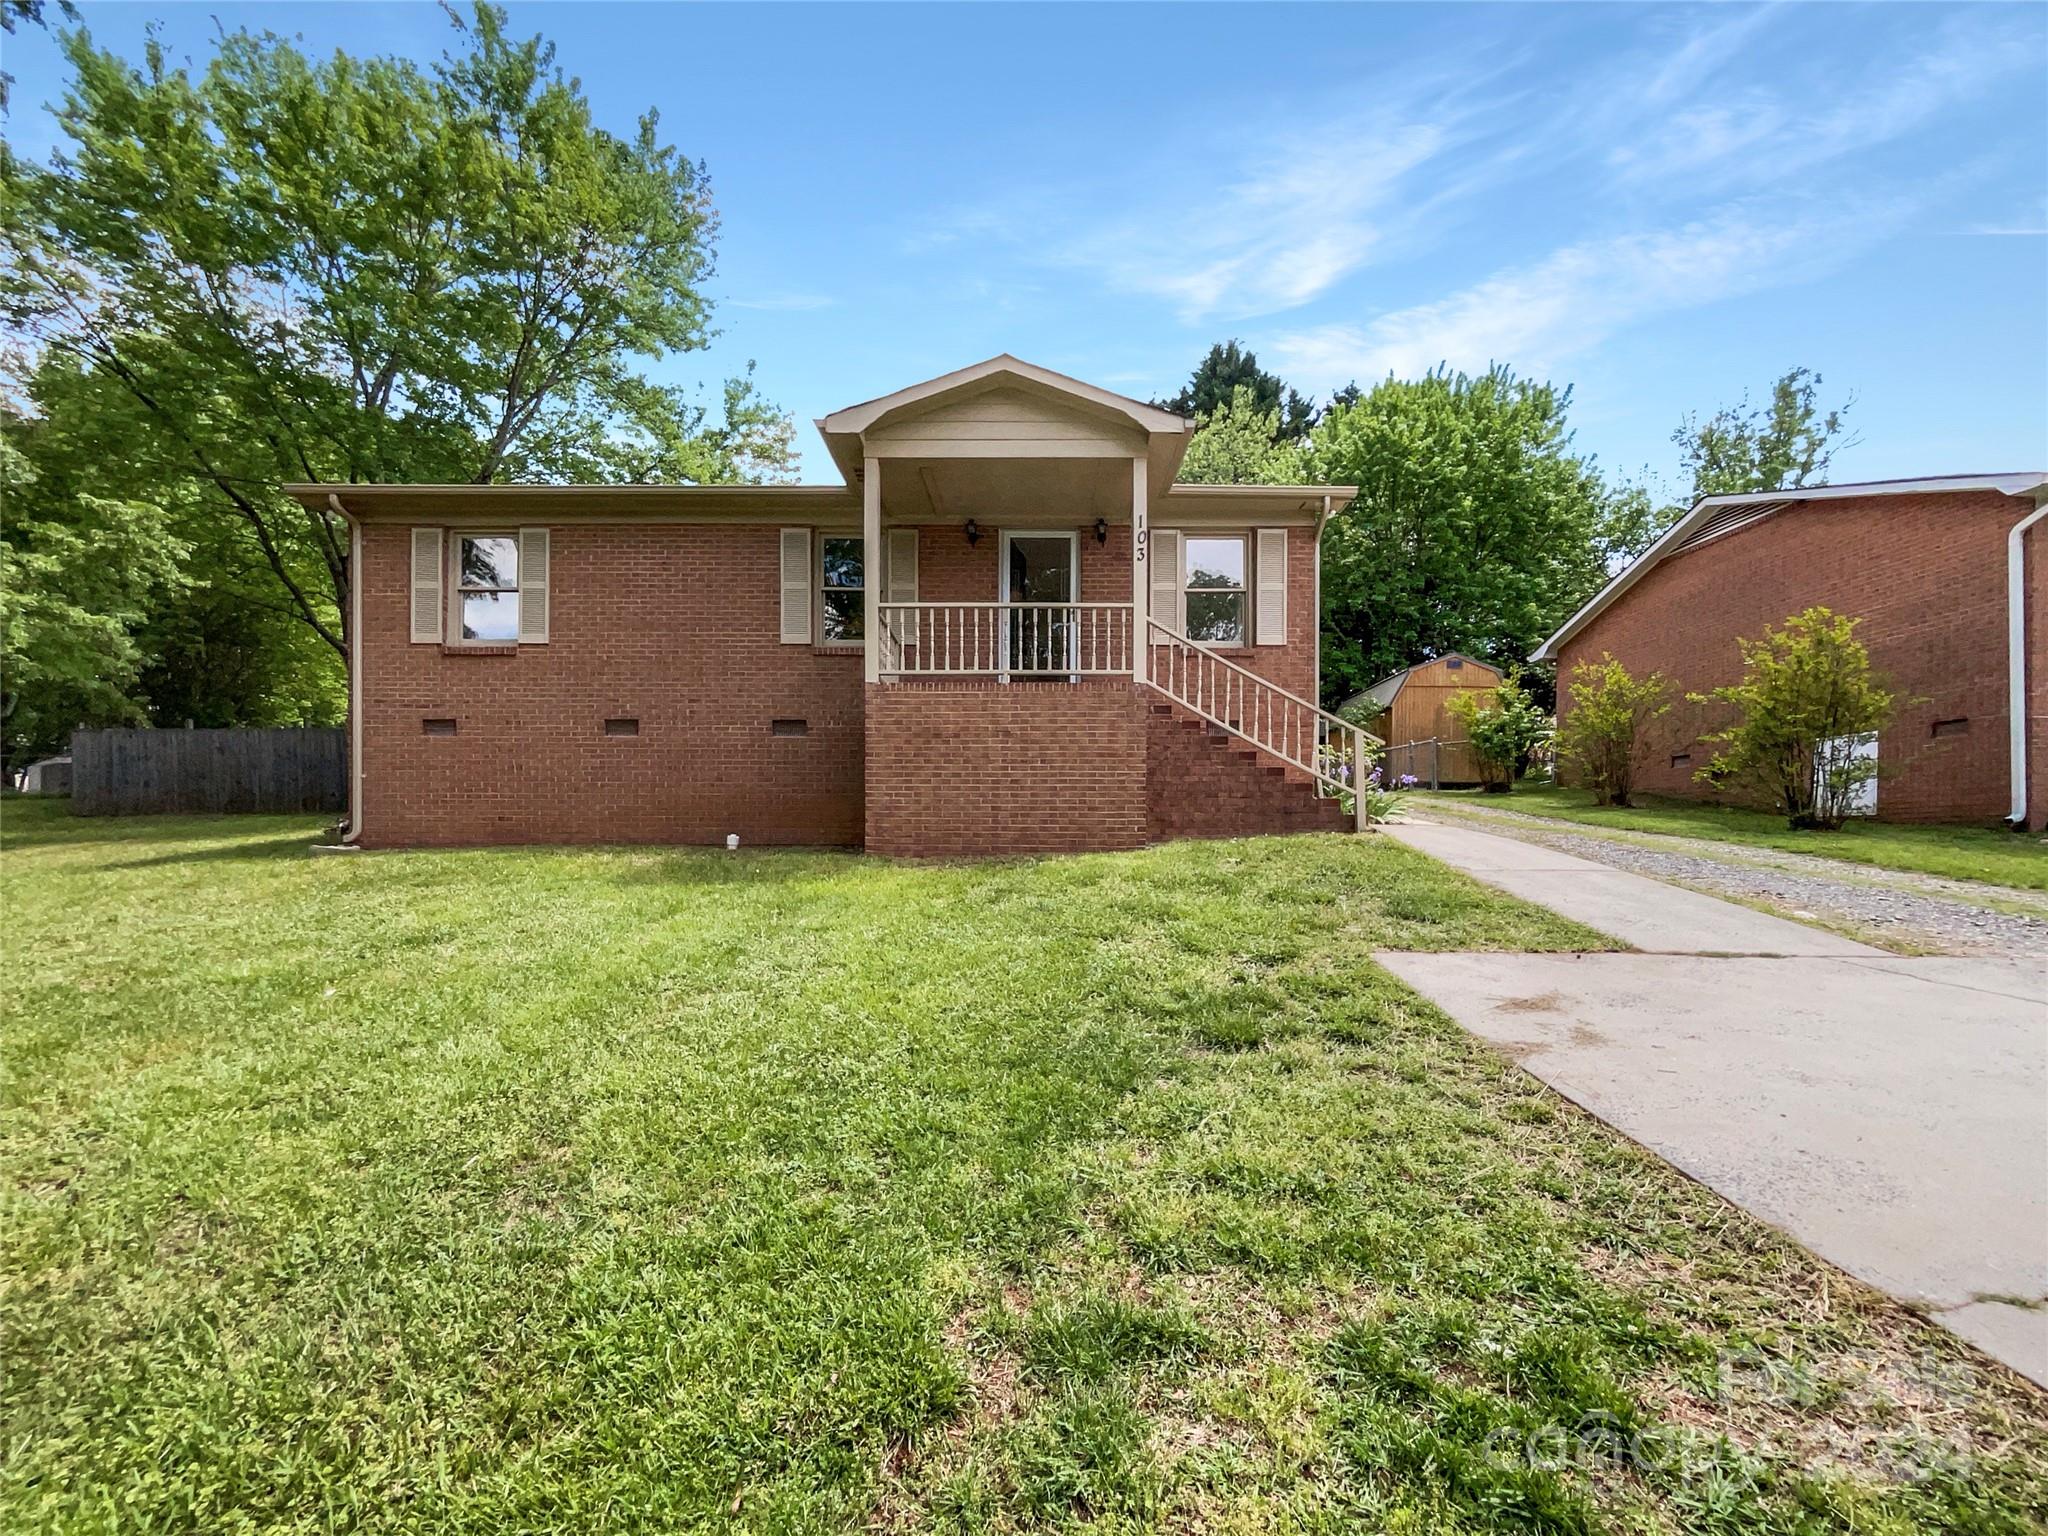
{"x": 1005, "y": 639}
{"x": 1327, "y": 747}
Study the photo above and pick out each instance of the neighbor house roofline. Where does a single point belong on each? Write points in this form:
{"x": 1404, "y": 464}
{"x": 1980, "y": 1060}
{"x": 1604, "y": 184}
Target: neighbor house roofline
{"x": 1763, "y": 504}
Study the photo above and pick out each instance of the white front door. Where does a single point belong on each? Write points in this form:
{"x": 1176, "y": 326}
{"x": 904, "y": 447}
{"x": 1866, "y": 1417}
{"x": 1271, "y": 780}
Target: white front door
{"x": 1038, "y": 576}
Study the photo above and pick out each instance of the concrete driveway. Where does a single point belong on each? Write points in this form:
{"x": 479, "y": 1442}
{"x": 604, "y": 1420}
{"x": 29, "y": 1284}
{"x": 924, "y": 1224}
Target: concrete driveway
{"x": 1890, "y": 1113}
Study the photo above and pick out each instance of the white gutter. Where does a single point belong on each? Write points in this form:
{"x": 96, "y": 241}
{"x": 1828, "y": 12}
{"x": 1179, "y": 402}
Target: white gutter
{"x": 2016, "y": 656}
{"x": 355, "y": 669}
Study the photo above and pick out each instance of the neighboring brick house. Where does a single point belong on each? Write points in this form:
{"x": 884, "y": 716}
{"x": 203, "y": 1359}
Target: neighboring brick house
{"x": 1009, "y": 630}
{"x": 1950, "y": 579}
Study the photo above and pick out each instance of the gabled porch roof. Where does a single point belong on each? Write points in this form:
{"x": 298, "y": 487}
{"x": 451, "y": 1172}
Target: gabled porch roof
{"x": 1005, "y": 408}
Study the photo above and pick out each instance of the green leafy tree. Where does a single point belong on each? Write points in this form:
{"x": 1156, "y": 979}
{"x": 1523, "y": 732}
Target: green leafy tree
{"x": 1604, "y": 733}
{"x": 1629, "y": 521}
{"x": 1505, "y": 726}
{"x": 280, "y": 269}
{"x": 1778, "y": 447}
{"x": 77, "y": 576}
{"x": 1240, "y": 444}
{"x": 1807, "y": 700}
{"x": 215, "y": 639}
{"x": 1475, "y": 528}
{"x": 1228, "y": 368}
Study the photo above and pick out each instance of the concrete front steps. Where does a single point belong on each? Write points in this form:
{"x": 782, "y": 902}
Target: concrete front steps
{"x": 1201, "y": 781}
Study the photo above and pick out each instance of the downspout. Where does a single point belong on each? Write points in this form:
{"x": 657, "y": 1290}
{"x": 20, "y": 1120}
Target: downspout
{"x": 2016, "y": 656}
{"x": 1315, "y": 618}
{"x": 355, "y": 669}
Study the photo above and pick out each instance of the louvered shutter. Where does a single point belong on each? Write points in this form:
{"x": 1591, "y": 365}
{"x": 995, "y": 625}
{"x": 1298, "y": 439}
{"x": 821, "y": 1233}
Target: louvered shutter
{"x": 533, "y": 586}
{"x": 426, "y": 586}
{"x": 796, "y": 586}
{"x": 1168, "y": 605}
{"x": 1271, "y": 600}
{"x": 901, "y": 586}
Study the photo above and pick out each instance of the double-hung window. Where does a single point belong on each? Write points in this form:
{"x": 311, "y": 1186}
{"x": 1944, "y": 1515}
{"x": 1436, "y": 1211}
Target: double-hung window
{"x": 1217, "y": 609}
{"x": 487, "y": 588}
{"x": 842, "y": 599}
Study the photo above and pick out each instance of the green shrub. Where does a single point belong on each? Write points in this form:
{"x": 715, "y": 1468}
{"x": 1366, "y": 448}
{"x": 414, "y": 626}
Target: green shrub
{"x": 1806, "y": 699}
{"x": 1505, "y": 727}
{"x": 1602, "y": 734}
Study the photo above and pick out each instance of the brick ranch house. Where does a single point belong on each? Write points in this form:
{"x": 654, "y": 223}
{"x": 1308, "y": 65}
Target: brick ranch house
{"x": 1950, "y": 578}
{"x": 1008, "y": 630}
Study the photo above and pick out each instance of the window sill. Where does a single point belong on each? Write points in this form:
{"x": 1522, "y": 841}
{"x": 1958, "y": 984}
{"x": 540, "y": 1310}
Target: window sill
{"x": 478, "y": 650}
{"x": 838, "y": 650}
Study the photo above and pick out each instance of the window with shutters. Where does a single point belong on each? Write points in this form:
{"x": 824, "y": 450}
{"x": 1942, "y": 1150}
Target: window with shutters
{"x": 486, "y": 598}
{"x": 842, "y": 601}
{"x": 1214, "y": 594}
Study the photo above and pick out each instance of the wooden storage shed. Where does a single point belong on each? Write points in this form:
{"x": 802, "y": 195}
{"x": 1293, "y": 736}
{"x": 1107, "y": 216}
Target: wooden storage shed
{"x": 1408, "y": 712}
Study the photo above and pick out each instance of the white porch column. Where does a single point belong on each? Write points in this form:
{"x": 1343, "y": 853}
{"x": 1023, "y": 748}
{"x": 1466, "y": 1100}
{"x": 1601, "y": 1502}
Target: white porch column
{"x": 1141, "y": 586}
{"x": 871, "y": 567}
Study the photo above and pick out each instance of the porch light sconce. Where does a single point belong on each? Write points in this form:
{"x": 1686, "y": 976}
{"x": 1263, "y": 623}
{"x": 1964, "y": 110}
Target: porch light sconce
{"x": 1102, "y": 530}
{"x": 973, "y": 533}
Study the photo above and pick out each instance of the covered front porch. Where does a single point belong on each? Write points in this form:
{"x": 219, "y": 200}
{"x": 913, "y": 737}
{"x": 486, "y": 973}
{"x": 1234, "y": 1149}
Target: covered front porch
{"x": 1029, "y": 627}
{"x": 1010, "y": 520}
{"x": 1035, "y": 576}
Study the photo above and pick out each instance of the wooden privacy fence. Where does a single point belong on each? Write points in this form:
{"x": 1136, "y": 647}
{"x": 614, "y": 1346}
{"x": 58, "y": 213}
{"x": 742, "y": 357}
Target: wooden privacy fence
{"x": 138, "y": 773}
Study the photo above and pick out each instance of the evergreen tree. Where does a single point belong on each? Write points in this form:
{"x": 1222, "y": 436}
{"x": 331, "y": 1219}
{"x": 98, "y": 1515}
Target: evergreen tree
{"x": 1228, "y": 368}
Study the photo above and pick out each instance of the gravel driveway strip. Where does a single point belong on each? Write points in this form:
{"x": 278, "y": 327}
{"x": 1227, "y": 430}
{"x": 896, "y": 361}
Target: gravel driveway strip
{"x": 1891, "y": 907}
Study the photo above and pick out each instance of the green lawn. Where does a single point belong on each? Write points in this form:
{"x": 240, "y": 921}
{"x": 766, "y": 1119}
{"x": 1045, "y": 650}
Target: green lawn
{"x": 672, "y": 1190}
{"x": 1955, "y": 853}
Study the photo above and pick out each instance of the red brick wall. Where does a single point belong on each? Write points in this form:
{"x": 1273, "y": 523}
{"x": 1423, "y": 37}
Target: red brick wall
{"x": 1926, "y": 574}
{"x": 1291, "y": 666}
{"x": 950, "y": 570}
{"x": 671, "y": 624}
{"x": 976, "y": 766}
{"x": 677, "y": 626}
{"x": 1201, "y": 782}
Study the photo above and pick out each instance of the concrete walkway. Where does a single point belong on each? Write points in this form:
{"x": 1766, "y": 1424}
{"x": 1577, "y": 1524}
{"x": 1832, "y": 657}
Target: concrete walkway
{"x": 1663, "y": 919}
{"x": 1890, "y": 1113}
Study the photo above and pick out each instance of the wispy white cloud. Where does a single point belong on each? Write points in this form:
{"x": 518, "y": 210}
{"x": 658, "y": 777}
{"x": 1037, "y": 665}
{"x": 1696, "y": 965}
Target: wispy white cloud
{"x": 2032, "y": 222}
{"x": 1728, "y": 133}
{"x": 1677, "y": 73}
{"x": 1281, "y": 229}
{"x": 1713, "y": 108}
{"x": 784, "y": 302}
{"x": 1257, "y": 223}
{"x": 1538, "y": 315}
{"x": 1785, "y": 198}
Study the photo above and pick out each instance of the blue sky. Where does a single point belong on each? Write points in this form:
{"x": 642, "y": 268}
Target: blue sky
{"x": 1659, "y": 206}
